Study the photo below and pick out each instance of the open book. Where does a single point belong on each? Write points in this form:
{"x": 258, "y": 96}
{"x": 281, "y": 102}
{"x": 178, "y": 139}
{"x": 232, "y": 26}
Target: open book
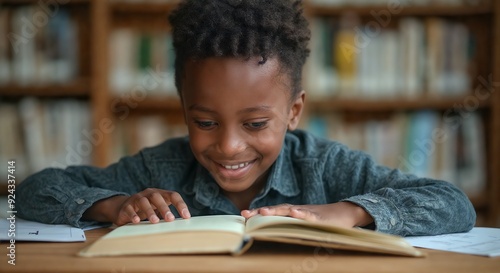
{"x": 231, "y": 234}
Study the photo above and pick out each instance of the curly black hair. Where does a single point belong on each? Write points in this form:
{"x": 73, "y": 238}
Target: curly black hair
{"x": 241, "y": 28}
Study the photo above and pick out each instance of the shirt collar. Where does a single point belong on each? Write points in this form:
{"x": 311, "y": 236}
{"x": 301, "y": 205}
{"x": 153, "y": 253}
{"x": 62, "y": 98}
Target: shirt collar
{"x": 205, "y": 188}
{"x": 282, "y": 176}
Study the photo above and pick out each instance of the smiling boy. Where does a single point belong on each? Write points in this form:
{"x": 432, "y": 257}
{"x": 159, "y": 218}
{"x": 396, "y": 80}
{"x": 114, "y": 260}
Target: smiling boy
{"x": 238, "y": 73}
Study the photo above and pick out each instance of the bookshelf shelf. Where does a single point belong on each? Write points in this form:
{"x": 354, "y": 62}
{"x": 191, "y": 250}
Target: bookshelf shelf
{"x": 75, "y": 89}
{"x": 157, "y": 105}
{"x": 150, "y": 8}
{"x": 172, "y": 104}
{"x": 431, "y": 10}
{"x": 79, "y": 88}
{"x": 385, "y": 105}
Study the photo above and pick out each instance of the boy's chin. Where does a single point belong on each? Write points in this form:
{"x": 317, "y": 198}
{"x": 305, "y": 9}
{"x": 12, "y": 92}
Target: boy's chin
{"x": 234, "y": 186}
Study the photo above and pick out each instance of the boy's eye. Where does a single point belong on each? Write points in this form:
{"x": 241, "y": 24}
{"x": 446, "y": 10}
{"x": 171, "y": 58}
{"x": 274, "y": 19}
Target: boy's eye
{"x": 256, "y": 125}
{"x": 205, "y": 124}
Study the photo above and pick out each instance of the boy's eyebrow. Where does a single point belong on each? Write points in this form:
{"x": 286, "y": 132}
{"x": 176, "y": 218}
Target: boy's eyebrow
{"x": 260, "y": 108}
{"x": 197, "y": 107}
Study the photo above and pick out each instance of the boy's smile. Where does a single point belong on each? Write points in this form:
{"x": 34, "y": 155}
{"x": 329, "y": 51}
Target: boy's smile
{"x": 238, "y": 112}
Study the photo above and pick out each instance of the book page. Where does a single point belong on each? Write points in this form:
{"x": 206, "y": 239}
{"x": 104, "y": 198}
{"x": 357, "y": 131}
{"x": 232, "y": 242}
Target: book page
{"x": 479, "y": 241}
{"x": 24, "y": 230}
{"x": 259, "y": 221}
{"x": 226, "y": 223}
{"x": 294, "y": 225}
{"x": 287, "y": 229}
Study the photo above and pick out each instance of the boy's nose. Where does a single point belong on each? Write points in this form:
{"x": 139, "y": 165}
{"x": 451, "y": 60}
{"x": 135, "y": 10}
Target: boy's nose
{"x": 230, "y": 143}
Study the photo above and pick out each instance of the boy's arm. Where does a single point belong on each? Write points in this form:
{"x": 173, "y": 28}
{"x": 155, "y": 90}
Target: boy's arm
{"x": 399, "y": 203}
{"x": 62, "y": 196}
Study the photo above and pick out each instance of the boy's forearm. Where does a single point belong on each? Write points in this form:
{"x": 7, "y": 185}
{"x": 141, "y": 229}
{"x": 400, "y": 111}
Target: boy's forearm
{"x": 105, "y": 210}
{"x": 362, "y": 217}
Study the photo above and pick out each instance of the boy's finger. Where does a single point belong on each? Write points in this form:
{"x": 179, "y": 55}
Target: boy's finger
{"x": 279, "y": 210}
{"x": 303, "y": 214}
{"x": 249, "y": 213}
{"x": 159, "y": 203}
{"x": 145, "y": 206}
{"x": 179, "y": 204}
{"x": 129, "y": 214}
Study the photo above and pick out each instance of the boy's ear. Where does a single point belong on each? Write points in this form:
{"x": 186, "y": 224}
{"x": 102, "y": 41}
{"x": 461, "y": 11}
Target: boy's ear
{"x": 296, "y": 111}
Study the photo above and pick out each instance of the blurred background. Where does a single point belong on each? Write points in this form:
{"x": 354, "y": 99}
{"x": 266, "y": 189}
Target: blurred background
{"x": 411, "y": 82}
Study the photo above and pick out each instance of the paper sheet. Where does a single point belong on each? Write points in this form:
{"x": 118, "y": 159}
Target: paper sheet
{"x": 23, "y": 230}
{"x": 479, "y": 241}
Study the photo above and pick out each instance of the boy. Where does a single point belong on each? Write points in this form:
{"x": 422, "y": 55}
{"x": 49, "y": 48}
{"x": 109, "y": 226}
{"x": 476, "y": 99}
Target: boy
{"x": 238, "y": 73}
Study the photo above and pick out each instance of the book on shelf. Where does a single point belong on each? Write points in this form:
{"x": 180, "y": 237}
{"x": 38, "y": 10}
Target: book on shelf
{"x": 141, "y": 62}
{"x": 5, "y": 70}
{"x": 231, "y": 234}
{"x": 11, "y": 145}
{"x": 45, "y": 133}
{"x": 471, "y": 174}
{"x": 138, "y": 132}
{"x": 37, "y": 51}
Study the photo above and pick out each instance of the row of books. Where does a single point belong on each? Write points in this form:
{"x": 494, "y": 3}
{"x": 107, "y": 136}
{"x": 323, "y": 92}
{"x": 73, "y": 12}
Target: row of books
{"x": 45, "y": 133}
{"x": 141, "y": 61}
{"x": 431, "y": 56}
{"x": 38, "y": 46}
{"x": 138, "y": 132}
{"x": 450, "y": 148}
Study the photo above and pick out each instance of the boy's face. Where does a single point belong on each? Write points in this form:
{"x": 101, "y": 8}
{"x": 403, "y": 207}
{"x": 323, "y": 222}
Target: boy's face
{"x": 237, "y": 113}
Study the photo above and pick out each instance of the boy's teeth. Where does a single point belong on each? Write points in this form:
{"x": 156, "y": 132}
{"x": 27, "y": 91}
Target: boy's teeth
{"x": 234, "y": 167}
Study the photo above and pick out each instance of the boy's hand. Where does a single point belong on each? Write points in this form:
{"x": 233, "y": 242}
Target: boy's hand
{"x": 340, "y": 214}
{"x": 151, "y": 204}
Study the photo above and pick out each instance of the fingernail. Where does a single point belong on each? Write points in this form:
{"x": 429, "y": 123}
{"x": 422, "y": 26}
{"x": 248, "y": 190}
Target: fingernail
{"x": 154, "y": 219}
{"x": 186, "y": 213}
{"x": 169, "y": 216}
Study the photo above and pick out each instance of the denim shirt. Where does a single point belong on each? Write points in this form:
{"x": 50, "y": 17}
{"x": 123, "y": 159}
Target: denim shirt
{"x": 309, "y": 170}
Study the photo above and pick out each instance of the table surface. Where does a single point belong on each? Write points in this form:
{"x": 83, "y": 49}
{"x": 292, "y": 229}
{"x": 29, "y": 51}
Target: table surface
{"x": 262, "y": 257}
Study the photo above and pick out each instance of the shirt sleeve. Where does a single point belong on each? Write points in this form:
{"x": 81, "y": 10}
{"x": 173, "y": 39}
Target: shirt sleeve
{"x": 400, "y": 203}
{"x": 61, "y": 196}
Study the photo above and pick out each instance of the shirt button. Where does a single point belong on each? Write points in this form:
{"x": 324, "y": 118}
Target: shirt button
{"x": 79, "y": 201}
{"x": 372, "y": 200}
{"x": 393, "y": 222}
